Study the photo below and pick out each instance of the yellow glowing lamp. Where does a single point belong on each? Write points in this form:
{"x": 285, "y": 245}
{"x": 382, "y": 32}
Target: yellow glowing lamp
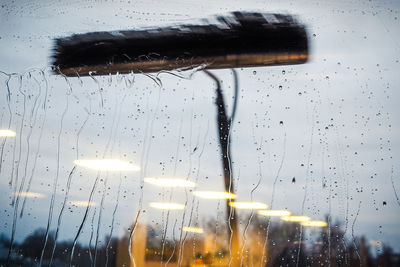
{"x": 190, "y": 229}
{"x": 169, "y": 182}
{"x": 295, "y": 218}
{"x": 214, "y": 195}
{"x": 167, "y": 206}
{"x": 272, "y": 213}
{"x": 248, "y": 205}
{"x": 106, "y": 165}
{"x": 315, "y": 223}
{"x": 29, "y": 194}
{"x": 7, "y": 133}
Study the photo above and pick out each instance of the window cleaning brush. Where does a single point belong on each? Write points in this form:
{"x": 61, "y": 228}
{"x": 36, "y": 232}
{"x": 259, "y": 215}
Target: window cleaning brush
{"x": 240, "y": 39}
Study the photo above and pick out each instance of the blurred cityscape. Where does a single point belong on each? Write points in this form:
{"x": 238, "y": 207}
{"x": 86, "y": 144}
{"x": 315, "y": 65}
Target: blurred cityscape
{"x": 287, "y": 245}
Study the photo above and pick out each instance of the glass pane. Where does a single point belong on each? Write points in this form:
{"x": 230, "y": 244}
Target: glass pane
{"x": 141, "y": 169}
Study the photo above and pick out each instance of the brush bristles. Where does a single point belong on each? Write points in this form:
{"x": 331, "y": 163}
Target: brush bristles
{"x": 245, "y": 35}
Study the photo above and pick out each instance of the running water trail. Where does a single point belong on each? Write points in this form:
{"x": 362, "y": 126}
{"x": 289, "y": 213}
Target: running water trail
{"x": 11, "y": 182}
{"x": 172, "y": 190}
{"x": 113, "y": 130}
{"x": 81, "y": 129}
{"x": 50, "y": 215}
{"x": 9, "y": 126}
{"x": 99, "y": 219}
{"x": 33, "y": 116}
{"x": 143, "y": 173}
{"x": 260, "y": 178}
{"x": 15, "y": 214}
{"x": 273, "y": 197}
{"x": 216, "y": 228}
{"x": 173, "y": 251}
{"x": 20, "y": 77}
{"x": 112, "y": 222}
{"x": 61, "y": 213}
{"x": 141, "y": 184}
{"x": 345, "y": 176}
{"x": 119, "y": 185}
{"x": 352, "y": 233}
{"x": 9, "y": 119}
{"x": 91, "y": 197}
{"x": 84, "y": 218}
{"x": 164, "y": 237}
{"x": 193, "y": 197}
{"x": 17, "y": 196}
{"x": 91, "y": 237}
{"x": 343, "y": 166}
{"x": 306, "y": 186}
{"x": 394, "y": 188}
{"x": 187, "y": 176}
{"x": 100, "y": 89}
{"x": 184, "y": 73}
{"x": 38, "y": 143}
{"x": 155, "y": 79}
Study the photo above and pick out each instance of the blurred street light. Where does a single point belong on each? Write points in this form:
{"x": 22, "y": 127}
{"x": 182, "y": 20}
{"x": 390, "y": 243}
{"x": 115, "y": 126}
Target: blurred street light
{"x": 296, "y": 218}
{"x": 314, "y": 223}
{"x": 196, "y": 230}
{"x": 271, "y": 213}
{"x": 29, "y": 194}
{"x": 169, "y": 182}
{"x": 248, "y": 205}
{"x": 214, "y": 195}
{"x": 7, "y": 133}
{"x": 107, "y": 165}
{"x": 167, "y": 206}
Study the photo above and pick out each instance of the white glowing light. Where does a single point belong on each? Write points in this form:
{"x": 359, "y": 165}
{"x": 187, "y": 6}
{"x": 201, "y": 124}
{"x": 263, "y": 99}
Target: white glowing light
{"x": 107, "y": 165}
{"x": 296, "y": 218}
{"x": 7, "y": 133}
{"x": 248, "y": 205}
{"x": 314, "y": 223}
{"x": 169, "y": 182}
{"x": 78, "y": 203}
{"x": 196, "y": 230}
{"x": 29, "y": 194}
{"x": 279, "y": 213}
{"x": 214, "y": 195}
{"x": 167, "y": 206}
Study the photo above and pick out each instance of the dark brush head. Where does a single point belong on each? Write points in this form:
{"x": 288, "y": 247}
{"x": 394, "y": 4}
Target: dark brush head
{"x": 239, "y": 40}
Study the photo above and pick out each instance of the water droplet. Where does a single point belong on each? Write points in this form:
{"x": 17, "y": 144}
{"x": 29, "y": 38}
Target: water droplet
{"x": 283, "y": 72}
{"x": 254, "y": 72}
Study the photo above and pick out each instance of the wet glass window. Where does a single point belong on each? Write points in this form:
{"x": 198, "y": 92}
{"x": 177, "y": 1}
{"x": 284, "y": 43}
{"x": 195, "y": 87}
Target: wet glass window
{"x": 199, "y": 133}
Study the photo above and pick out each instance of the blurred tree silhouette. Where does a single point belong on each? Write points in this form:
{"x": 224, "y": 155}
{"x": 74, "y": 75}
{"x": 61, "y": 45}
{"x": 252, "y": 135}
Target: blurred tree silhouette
{"x": 283, "y": 248}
